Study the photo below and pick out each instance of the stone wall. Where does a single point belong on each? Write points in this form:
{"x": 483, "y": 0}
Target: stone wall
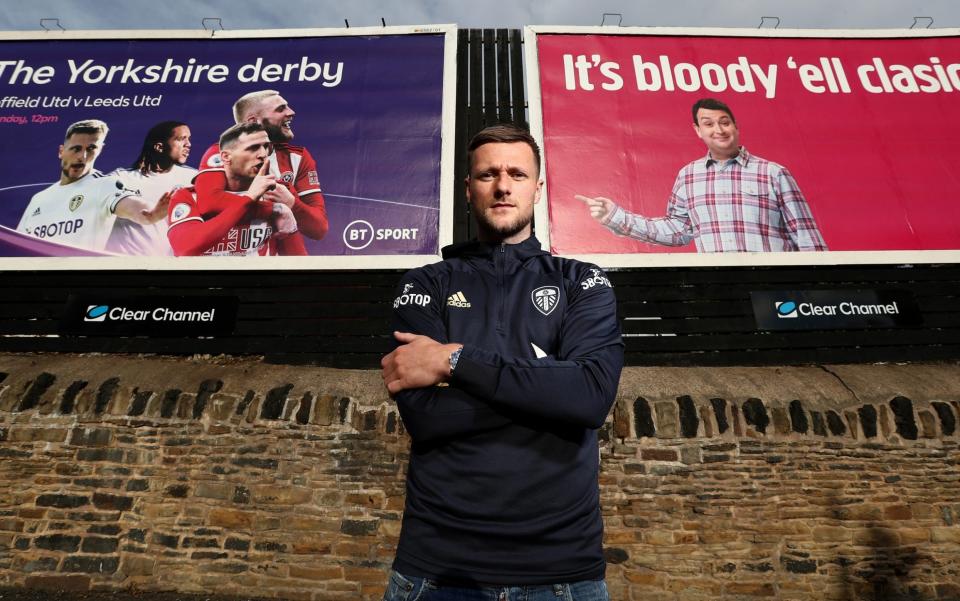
{"x": 236, "y": 477}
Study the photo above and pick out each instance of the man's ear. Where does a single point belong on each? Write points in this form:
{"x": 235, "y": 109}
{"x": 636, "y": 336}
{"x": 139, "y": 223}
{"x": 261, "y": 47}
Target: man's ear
{"x": 60, "y": 152}
{"x": 158, "y": 146}
{"x": 536, "y": 196}
{"x": 466, "y": 184}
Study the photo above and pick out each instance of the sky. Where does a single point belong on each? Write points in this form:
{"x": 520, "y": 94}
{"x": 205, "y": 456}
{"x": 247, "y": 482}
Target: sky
{"x": 246, "y": 14}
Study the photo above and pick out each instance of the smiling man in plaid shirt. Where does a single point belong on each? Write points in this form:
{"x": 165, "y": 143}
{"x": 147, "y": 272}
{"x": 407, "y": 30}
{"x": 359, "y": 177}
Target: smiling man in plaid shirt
{"x": 728, "y": 201}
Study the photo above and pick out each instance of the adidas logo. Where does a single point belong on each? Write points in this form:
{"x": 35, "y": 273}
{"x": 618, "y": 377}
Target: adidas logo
{"x": 458, "y": 300}
{"x": 36, "y": 212}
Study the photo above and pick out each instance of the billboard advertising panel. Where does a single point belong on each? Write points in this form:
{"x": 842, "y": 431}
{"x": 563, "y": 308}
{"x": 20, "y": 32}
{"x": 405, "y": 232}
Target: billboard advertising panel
{"x": 114, "y": 156}
{"x": 712, "y": 147}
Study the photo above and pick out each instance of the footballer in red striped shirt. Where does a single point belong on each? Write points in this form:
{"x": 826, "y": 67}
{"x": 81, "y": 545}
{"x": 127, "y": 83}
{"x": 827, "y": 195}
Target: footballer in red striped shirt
{"x": 290, "y": 165}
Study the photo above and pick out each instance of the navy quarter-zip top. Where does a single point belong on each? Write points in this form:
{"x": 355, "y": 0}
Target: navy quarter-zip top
{"x": 502, "y": 486}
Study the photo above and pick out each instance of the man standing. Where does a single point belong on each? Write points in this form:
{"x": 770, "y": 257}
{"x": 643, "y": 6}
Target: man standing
{"x": 289, "y": 165}
{"x": 157, "y": 173}
{"x": 81, "y": 208}
{"x": 729, "y": 201}
{"x": 508, "y": 360}
{"x": 258, "y": 217}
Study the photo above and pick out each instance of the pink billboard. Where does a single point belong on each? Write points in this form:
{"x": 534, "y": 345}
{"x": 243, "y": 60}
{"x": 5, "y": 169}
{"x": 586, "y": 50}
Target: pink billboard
{"x": 719, "y": 149}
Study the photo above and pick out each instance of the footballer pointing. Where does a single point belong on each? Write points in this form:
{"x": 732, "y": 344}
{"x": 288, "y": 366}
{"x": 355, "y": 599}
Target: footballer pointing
{"x": 81, "y": 208}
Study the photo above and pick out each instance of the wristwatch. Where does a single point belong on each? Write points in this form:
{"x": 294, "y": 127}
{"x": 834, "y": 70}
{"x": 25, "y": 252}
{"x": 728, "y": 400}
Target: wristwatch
{"x": 454, "y": 358}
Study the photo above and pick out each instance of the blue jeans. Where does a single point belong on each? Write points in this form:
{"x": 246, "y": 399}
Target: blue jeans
{"x": 412, "y": 588}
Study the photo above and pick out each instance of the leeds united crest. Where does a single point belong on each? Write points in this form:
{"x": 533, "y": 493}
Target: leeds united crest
{"x": 545, "y": 298}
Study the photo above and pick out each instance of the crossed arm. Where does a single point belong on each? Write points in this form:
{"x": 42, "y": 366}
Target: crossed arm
{"x": 419, "y": 361}
{"x": 576, "y": 387}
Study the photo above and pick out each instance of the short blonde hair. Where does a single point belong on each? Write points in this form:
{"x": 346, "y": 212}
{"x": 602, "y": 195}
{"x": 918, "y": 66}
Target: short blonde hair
{"x": 248, "y": 101}
{"x": 87, "y": 126}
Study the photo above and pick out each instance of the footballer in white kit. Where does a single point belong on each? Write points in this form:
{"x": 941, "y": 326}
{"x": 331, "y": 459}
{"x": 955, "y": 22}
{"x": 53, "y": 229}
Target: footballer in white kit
{"x": 130, "y": 238}
{"x": 80, "y": 213}
{"x": 155, "y": 175}
{"x": 81, "y": 208}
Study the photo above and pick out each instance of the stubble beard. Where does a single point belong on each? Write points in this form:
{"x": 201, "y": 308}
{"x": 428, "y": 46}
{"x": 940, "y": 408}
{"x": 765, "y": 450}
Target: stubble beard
{"x": 66, "y": 173}
{"x": 495, "y": 232}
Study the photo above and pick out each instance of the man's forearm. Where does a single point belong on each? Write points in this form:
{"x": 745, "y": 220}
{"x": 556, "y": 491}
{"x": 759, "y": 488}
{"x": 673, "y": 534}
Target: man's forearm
{"x": 579, "y": 391}
{"x": 194, "y": 237}
{"x": 577, "y": 386}
{"x": 136, "y": 209}
{"x": 311, "y": 213}
{"x": 668, "y": 231}
{"x": 797, "y": 215}
{"x": 440, "y": 412}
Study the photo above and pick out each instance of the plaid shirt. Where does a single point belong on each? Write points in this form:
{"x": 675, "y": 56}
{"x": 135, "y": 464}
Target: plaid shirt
{"x": 743, "y": 204}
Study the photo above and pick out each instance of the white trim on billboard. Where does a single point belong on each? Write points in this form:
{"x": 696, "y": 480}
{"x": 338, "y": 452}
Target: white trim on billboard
{"x": 541, "y": 211}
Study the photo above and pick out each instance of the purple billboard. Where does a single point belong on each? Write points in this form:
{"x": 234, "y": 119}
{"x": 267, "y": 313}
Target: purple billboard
{"x": 321, "y": 144}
